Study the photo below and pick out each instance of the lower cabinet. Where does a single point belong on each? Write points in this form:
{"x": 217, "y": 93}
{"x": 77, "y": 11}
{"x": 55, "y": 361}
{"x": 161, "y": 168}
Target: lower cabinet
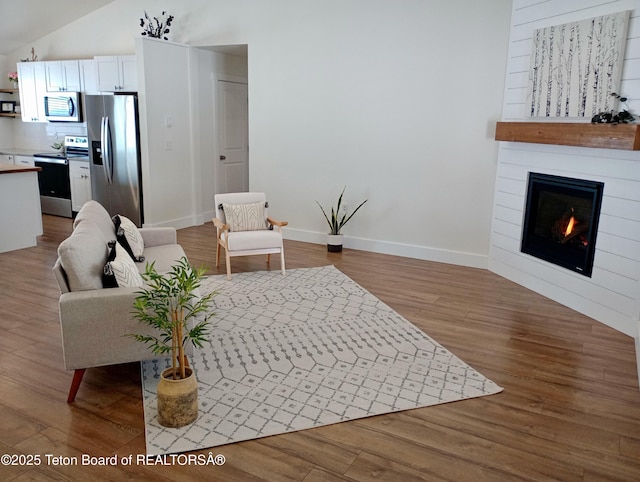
{"x": 80, "y": 177}
{"x": 26, "y": 161}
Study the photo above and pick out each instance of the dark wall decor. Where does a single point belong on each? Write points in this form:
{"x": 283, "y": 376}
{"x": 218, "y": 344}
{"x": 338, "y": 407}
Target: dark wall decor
{"x": 156, "y": 27}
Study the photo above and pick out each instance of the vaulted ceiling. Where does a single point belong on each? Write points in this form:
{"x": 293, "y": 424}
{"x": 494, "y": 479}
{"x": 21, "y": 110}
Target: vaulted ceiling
{"x": 23, "y": 21}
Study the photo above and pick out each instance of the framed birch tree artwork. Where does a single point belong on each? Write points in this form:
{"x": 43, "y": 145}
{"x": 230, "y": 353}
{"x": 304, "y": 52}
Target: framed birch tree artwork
{"x": 576, "y": 67}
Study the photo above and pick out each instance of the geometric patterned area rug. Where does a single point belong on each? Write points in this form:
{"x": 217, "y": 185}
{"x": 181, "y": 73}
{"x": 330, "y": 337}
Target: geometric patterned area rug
{"x": 299, "y": 351}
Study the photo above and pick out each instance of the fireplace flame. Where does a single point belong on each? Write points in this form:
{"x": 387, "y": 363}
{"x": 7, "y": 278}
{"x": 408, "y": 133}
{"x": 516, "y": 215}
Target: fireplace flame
{"x": 572, "y": 223}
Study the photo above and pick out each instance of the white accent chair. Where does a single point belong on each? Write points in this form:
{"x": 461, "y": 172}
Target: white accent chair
{"x": 247, "y": 230}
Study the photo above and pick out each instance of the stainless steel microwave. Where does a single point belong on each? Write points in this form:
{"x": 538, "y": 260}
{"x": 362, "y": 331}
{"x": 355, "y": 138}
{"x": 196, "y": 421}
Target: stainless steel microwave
{"x": 62, "y": 107}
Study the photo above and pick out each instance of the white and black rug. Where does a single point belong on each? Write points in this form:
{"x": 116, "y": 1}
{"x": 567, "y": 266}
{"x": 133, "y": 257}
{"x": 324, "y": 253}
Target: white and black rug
{"x": 298, "y": 351}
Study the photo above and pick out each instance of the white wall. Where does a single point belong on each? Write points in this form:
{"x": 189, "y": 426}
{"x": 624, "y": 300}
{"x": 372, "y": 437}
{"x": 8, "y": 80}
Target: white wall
{"x": 170, "y": 192}
{"x": 396, "y": 100}
{"x": 6, "y": 132}
{"x": 612, "y": 294}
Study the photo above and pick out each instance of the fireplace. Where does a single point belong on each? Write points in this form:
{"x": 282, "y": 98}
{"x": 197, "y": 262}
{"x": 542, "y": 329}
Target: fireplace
{"x": 561, "y": 221}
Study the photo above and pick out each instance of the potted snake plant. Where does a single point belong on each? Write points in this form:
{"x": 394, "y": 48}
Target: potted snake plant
{"x": 171, "y": 303}
{"x": 339, "y": 217}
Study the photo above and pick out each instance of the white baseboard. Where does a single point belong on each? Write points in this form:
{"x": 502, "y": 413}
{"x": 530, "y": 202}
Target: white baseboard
{"x": 396, "y": 249}
{"x": 178, "y": 223}
{"x": 362, "y": 244}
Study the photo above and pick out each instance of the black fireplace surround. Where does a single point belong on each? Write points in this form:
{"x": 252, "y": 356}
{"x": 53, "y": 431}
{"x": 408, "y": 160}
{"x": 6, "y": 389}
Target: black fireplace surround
{"x": 561, "y": 221}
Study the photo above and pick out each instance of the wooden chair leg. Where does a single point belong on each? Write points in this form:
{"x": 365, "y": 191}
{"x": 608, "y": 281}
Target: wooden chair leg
{"x": 75, "y": 384}
{"x": 268, "y": 258}
{"x": 217, "y": 254}
{"x": 228, "y": 260}
{"x": 282, "y": 260}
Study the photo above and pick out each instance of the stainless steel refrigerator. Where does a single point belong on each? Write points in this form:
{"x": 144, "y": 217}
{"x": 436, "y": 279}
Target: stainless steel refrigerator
{"x": 114, "y": 150}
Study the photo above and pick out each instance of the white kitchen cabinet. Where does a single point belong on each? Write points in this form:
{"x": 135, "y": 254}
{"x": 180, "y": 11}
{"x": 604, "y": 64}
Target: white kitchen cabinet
{"x": 63, "y": 75}
{"x": 117, "y": 73}
{"x": 80, "y": 177}
{"x": 26, "y": 161}
{"x": 33, "y": 87}
{"x": 7, "y": 159}
{"x": 89, "y": 72}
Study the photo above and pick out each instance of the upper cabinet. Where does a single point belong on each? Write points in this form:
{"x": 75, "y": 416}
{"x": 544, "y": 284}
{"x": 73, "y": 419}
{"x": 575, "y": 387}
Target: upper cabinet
{"x": 33, "y": 88}
{"x": 90, "y": 76}
{"x": 117, "y": 73}
{"x": 89, "y": 72}
{"x": 63, "y": 75}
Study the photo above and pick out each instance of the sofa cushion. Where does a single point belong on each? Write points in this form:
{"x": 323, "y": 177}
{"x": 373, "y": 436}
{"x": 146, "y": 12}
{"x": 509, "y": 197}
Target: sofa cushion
{"x": 129, "y": 237}
{"x": 94, "y": 212}
{"x": 164, "y": 256}
{"x": 120, "y": 270}
{"x": 83, "y": 256}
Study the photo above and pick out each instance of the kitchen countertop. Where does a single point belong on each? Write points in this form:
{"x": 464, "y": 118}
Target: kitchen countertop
{"x": 19, "y": 151}
{"x": 12, "y": 169}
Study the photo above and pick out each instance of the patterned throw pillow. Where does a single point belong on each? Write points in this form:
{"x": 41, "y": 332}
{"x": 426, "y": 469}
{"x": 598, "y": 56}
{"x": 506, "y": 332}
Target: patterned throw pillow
{"x": 120, "y": 270}
{"x": 245, "y": 217}
{"x": 129, "y": 237}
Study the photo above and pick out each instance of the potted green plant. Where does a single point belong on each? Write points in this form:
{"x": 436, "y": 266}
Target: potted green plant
{"x": 170, "y": 303}
{"x": 339, "y": 217}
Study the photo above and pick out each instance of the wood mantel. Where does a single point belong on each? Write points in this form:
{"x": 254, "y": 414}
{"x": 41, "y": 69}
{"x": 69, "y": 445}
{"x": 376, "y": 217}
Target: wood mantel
{"x": 606, "y": 136}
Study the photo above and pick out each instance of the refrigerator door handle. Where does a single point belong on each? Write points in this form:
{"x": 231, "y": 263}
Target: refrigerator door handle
{"x": 105, "y": 139}
{"x": 103, "y": 151}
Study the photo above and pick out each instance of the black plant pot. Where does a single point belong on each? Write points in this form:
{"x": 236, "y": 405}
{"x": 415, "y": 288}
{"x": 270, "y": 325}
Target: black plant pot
{"x": 334, "y": 248}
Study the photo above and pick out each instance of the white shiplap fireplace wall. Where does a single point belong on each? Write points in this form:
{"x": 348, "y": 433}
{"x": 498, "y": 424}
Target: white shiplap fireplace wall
{"x": 612, "y": 294}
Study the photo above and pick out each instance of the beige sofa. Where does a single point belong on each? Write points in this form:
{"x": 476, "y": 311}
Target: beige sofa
{"x": 95, "y": 320}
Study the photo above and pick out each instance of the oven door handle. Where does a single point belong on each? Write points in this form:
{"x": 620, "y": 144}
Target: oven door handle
{"x": 105, "y": 140}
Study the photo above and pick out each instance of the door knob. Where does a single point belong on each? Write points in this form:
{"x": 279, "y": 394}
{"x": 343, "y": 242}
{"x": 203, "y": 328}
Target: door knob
{"x": 222, "y": 158}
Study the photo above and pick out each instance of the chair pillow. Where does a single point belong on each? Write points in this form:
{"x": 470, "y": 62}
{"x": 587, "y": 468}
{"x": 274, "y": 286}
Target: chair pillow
{"x": 129, "y": 237}
{"x": 245, "y": 217}
{"x": 120, "y": 270}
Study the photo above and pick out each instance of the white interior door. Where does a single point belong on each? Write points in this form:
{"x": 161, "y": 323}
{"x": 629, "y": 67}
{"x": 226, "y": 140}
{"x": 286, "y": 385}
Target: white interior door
{"x": 233, "y": 172}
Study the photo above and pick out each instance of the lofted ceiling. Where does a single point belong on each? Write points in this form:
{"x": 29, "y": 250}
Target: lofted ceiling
{"x": 23, "y": 21}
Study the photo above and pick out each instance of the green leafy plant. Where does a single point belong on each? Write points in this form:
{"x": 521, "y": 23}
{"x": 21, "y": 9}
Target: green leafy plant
{"x": 338, "y": 219}
{"x": 168, "y": 303}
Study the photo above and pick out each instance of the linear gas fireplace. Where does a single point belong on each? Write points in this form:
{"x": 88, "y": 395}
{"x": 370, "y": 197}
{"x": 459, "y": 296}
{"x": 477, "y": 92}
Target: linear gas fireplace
{"x": 561, "y": 221}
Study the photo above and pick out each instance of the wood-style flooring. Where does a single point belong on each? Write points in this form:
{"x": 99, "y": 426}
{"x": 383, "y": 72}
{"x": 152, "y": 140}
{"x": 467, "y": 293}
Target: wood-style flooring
{"x": 570, "y": 409}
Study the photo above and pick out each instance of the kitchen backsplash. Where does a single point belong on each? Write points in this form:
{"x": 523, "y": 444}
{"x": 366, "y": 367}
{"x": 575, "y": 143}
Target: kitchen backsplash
{"x": 40, "y": 136}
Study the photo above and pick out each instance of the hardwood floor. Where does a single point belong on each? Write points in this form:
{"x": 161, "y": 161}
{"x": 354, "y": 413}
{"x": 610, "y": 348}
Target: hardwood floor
{"x": 570, "y": 409}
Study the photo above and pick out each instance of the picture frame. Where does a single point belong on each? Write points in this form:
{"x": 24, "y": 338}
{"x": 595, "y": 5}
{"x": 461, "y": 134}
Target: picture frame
{"x": 7, "y": 107}
{"x": 577, "y": 67}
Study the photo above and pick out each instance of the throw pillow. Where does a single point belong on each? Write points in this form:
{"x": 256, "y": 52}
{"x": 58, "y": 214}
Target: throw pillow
{"x": 120, "y": 270}
{"x": 83, "y": 255}
{"x": 245, "y": 217}
{"x": 129, "y": 237}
